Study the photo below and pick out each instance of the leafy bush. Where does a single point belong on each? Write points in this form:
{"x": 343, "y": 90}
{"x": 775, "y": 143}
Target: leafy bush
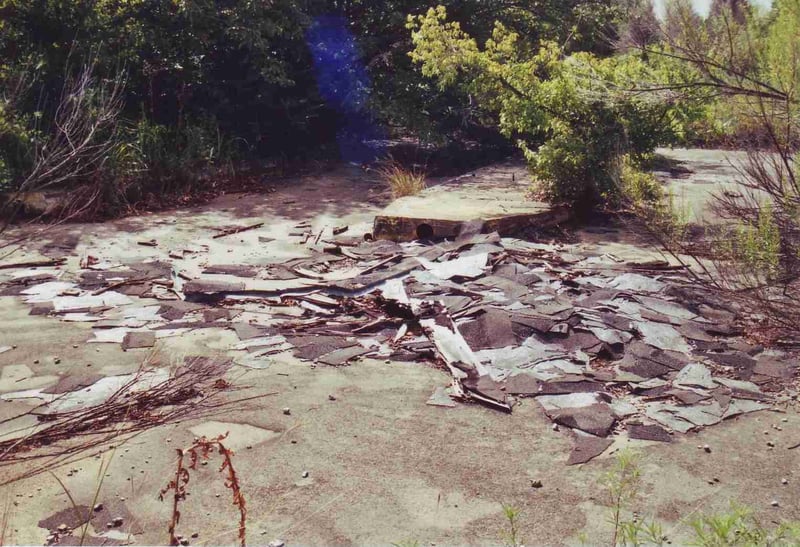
{"x": 563, "y": 110}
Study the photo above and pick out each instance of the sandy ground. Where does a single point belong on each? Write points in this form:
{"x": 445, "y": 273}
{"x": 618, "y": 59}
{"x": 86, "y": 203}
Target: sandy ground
{"x": 382, "y": 467}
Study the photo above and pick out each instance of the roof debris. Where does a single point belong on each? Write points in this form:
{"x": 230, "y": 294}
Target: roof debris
{"x": 606, "y": 347}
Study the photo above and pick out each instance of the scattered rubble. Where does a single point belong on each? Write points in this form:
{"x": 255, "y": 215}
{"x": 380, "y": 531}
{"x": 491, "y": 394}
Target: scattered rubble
{"x": 604, "y": 346}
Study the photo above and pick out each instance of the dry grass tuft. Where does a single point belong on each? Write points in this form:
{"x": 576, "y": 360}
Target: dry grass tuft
{"x": 402, "y": 181}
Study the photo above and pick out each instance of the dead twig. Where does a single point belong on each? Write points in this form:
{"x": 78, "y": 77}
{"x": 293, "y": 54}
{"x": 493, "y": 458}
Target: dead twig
{"x": 238, "y": 230}
{"x": 195, "y": 390}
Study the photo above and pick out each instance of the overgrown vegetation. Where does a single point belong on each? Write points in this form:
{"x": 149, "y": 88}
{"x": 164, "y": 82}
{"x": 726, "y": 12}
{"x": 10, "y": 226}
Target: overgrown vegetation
{"x": 159, "y": 94}
{"x": 747, "y": 61}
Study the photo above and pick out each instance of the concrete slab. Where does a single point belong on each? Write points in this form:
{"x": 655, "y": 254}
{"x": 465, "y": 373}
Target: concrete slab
{"x": 496, "y": 195}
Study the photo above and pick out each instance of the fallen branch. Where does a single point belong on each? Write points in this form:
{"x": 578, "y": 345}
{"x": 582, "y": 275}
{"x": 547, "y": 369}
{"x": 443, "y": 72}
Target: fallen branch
{"x": 238, "y": 230}
{"x": 193, "y": 391}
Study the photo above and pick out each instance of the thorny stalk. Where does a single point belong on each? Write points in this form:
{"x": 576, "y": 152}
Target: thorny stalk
{"x": 202, "y": 449}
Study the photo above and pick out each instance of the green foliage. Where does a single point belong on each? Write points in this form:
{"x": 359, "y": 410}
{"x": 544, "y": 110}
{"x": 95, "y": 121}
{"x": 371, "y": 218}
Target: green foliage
{"x": 638, "y": 187}
{"x": 511, "y": 534}
{"x": 754, "y": 249}
{"x": 564, "y": 111}
{"x": 736, "y": 528}
{"x": 739, "y": 528}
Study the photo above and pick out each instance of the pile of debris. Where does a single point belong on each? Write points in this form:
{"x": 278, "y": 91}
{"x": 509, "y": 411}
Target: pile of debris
{"x": 603, "y": 345}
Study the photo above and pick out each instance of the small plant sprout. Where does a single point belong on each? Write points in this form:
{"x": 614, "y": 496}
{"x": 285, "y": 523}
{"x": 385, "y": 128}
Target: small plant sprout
{"x": 511, "y": 534}
{"x": 622, "y": 484}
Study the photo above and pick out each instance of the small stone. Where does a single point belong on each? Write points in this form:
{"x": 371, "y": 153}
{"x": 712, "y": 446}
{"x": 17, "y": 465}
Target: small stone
{"x": 331, "y": 397}
{"x": 249, "y": 447}
{"x": 287, "y": 411}
{"x": 74, "y": 346}
{"x": 555, "y": 427}
{"x": 707, "y": 448}
{"x": 294, "y": 442}
{"x": 775, "y": 503}
{"x": 204, "y": 463}
{"x": 169, "y": 440}
{"x": 784, "y": 481}
{"x": 109, "y": 525}
{"x": 98, "y": 507}
{"x": 771, "y": 444}
{"x": 35, "y": 361}
{"x": 217, "y": 495}
{"x": 62, "y": 528}
{"x": 785, "y": 420}
{"x": 117, "y": 521}
{"x": 536, "y": 484}
{"x": 305, "y": 474}
{"x": 195, "y": 534}
{"x": 57, "y": 360}
{"x": 184, "y": 541}
{"x": 276, "y": 543}
{"x": 716, "y": 479}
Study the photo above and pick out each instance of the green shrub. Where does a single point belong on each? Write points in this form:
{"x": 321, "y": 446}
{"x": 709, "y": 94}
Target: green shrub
{"x": 565, "y": 111}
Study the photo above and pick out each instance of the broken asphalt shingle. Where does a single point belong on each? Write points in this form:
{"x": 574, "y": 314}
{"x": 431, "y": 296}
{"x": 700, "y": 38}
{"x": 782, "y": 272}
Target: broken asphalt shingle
{"x": 138, "y": 340}
{"x": 314, "y": 347}
{"x": 586, "y": 448}
{"x": 522, "y": 384}
{"x": 491, "y": 329}
{"x": 341, "y": 357}
{"x": 597, "y": 420}
{"x": 650, "y": 432}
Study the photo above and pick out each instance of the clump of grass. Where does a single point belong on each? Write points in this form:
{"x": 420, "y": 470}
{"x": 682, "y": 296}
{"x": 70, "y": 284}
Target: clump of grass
{"x": 401, "y": 180}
